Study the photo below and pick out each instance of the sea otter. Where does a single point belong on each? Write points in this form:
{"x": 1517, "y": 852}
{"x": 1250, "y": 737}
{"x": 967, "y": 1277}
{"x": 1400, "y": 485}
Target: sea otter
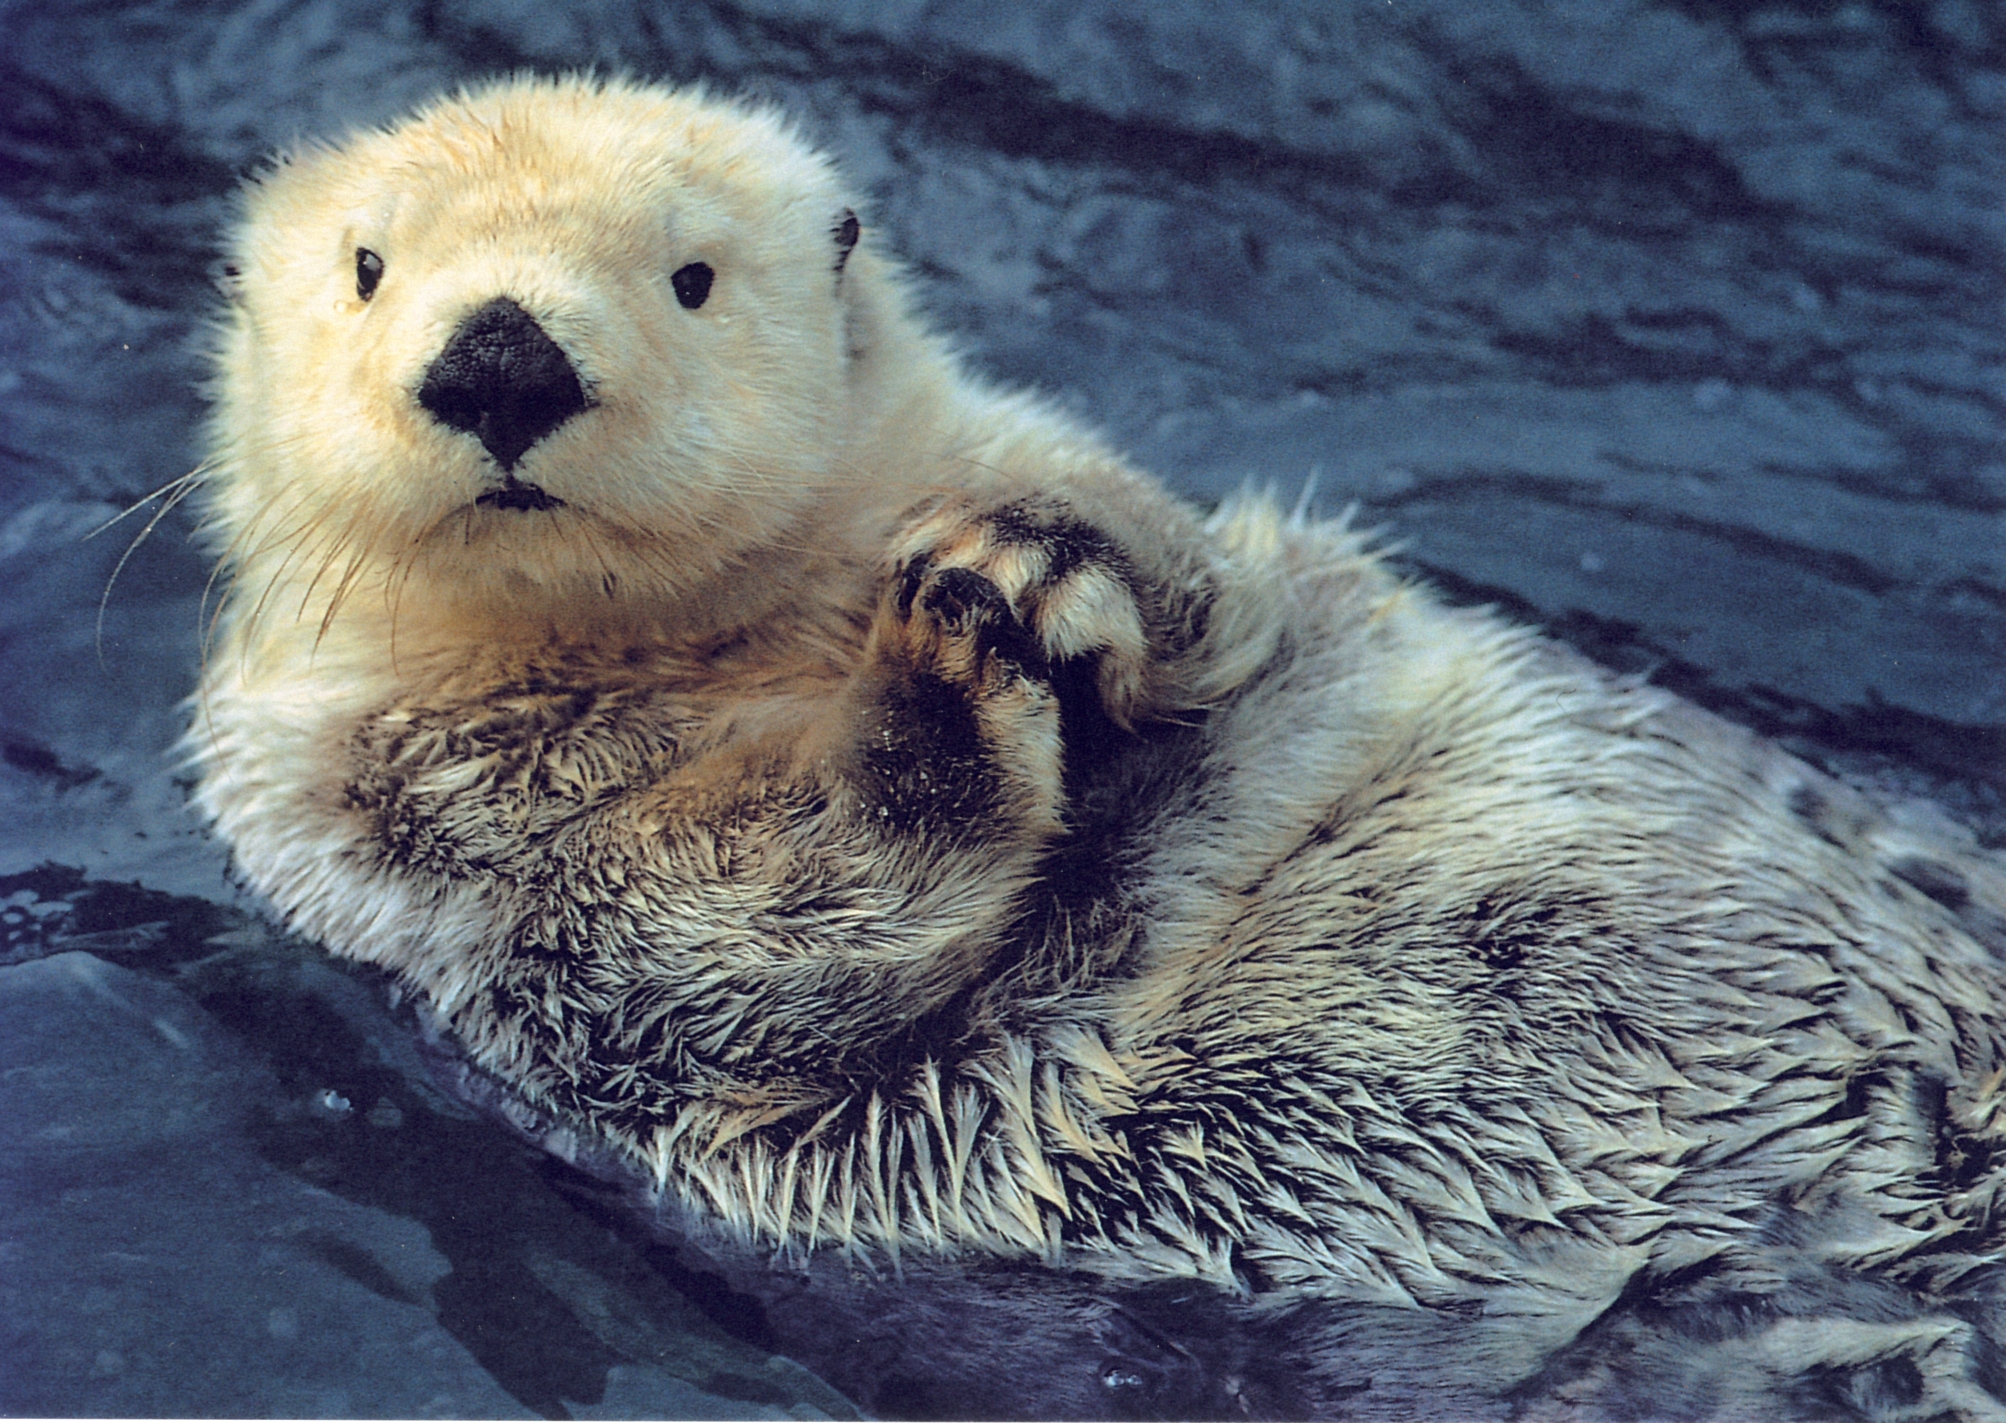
{"x": 1106, "y": 960}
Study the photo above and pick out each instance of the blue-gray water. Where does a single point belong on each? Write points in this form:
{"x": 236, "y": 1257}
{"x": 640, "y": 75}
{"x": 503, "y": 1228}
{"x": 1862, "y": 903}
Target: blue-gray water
{"x": 1677, "y": 327}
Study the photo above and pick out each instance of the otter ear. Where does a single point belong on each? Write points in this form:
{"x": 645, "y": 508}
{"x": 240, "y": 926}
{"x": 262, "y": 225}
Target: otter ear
{"x": 859, "y": 315}
{"x": 228, "y": 278}
{"x": 845, "y": 230}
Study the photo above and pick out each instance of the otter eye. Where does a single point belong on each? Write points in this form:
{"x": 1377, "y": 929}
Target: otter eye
{"x": 692, "y": 284}
{"x": 368, "y": 272}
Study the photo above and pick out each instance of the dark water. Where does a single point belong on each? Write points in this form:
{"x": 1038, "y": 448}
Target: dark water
{"x": 1677, "y": 327}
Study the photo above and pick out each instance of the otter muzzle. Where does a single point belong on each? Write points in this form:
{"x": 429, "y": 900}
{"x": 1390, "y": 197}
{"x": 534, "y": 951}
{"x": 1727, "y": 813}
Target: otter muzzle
{"x": 504, "y": 381}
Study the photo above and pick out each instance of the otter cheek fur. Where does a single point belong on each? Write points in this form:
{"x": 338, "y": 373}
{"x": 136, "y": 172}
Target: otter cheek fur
{"x": 909, "y": 835}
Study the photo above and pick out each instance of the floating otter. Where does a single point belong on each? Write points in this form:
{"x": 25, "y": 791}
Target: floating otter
{"x": 1110, "y": 961}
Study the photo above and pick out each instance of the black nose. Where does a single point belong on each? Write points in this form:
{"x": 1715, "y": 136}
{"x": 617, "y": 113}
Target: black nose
{"x": 502, "y": 379}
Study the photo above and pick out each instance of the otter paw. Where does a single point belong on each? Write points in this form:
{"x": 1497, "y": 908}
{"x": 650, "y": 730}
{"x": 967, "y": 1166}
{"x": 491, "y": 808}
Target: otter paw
{"x": 961, "y": 627}
{"x": 964, "y": 732}
{"x": 1066, "y": 585}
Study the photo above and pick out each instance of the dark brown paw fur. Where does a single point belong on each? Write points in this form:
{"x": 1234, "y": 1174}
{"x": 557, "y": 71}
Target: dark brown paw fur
{"x": 963, "y": 730}
{"x": 1066, "y": 584}
{"x": 962, "y": 626}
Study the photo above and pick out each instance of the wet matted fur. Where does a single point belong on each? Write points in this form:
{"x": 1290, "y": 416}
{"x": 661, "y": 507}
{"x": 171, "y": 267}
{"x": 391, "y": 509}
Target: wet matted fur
{"x": 1069, "y": 955}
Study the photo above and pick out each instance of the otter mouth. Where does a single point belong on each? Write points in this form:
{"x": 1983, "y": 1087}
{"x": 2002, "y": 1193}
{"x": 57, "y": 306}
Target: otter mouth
{"x": 518, "y": 494}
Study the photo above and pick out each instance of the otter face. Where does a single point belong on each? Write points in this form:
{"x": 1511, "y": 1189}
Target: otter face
{"x": 556, "y": 337}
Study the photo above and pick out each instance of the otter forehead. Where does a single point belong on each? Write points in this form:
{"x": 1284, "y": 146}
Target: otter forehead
{"x": 562, "y": 160}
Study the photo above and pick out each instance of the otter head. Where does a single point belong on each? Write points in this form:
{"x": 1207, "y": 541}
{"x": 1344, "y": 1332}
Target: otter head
{"x": 551, "y": 341}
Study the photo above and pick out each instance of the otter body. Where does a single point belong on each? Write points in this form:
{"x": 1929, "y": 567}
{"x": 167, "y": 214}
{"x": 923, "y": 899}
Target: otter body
{"x": 990, "y": 904}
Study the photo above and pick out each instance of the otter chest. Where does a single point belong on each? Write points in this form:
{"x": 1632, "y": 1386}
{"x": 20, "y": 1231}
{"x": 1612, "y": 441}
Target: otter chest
{"x": 483, "y": 768}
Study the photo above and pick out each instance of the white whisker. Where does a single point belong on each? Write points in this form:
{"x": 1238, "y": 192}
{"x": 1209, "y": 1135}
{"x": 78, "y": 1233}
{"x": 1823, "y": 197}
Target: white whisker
{"x": 171, "y": 495}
